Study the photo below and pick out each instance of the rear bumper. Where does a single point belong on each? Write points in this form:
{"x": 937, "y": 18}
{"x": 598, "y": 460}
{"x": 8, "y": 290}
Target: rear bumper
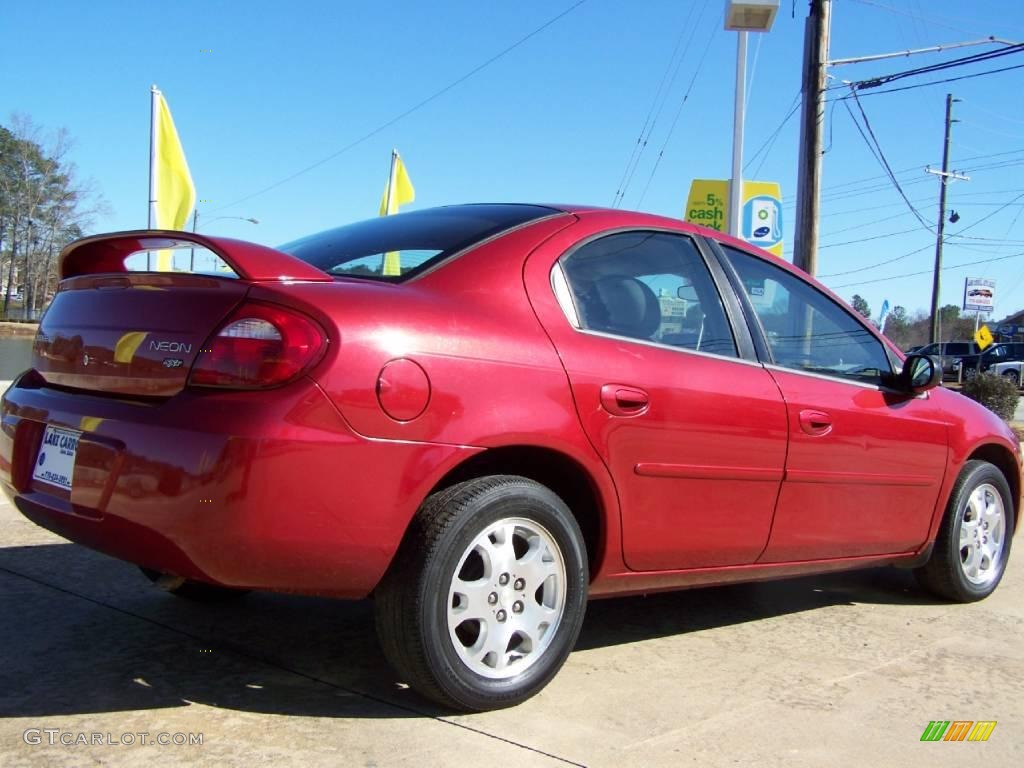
{"x": 263, "y": 490}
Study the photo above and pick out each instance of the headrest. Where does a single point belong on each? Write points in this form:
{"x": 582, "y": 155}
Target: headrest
{"x": 622, "y": 305}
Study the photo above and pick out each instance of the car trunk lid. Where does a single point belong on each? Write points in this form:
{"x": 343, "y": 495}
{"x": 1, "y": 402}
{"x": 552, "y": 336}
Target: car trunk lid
{"x": 112, "y": 330}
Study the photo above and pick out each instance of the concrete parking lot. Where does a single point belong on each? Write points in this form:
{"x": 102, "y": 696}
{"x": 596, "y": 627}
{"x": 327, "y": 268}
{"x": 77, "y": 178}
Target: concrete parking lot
{"x": 844, "y": 669}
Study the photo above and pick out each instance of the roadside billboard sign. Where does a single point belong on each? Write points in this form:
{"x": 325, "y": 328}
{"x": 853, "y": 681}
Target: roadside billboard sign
{"x": 761, "y": 219}
{"x": 979, "y": 294}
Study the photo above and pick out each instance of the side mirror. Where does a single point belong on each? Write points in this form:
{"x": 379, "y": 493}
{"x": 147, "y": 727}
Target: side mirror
{"x": 920, "y": 373}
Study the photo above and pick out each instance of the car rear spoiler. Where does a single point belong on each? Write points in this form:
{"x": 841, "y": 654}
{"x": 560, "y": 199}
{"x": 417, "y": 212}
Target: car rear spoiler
{"x": 107, "y": 253}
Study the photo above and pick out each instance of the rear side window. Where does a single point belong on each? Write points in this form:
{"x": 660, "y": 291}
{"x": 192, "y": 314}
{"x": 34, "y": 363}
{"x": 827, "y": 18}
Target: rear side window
{"x": 393, "y": 248}
{"x": 958, "y": 349}
{"x": 805, "y": 329}
{"x": 651, "y": 286}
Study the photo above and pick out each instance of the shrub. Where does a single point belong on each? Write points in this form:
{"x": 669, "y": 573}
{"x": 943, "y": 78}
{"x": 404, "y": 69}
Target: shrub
{"x": 995, "y": 392}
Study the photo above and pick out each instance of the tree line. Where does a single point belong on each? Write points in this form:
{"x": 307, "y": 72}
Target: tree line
{"x": 43, "y": 206}
{"x": 912, "y": 330}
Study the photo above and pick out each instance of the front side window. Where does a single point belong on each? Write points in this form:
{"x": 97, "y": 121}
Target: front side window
{"x": 651, "y": 286}
{"x": 805, "y": 329}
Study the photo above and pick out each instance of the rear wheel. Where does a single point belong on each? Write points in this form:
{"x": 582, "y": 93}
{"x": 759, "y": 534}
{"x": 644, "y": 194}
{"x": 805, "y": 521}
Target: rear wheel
{"x": 487, "y": 593}
{"x": 1012, "y": 376}
{"x": 973, "y": 543}
{"x": 190, "y": 589}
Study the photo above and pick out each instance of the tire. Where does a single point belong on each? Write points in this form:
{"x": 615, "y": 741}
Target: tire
{"x": 491, "y": 559}
{"x": 973, "y": 543}
{"x": 198, "y": 591}
{"x": 1013, "y": 376}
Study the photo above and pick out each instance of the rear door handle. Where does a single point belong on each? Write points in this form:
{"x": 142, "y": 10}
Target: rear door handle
{"x": 815, "y": 422}
{"x": 620, "y": 400}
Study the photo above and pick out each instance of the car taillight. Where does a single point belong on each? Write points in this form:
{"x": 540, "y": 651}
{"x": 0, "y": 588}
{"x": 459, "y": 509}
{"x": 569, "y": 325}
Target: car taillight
{"x": 261, "y": 345}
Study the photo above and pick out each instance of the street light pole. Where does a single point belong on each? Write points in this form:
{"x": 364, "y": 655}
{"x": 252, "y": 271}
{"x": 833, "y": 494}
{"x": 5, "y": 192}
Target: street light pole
{"x": 195, "y": 226}
{"x": 739, "y": 115}
{"x": 743, "y": 16}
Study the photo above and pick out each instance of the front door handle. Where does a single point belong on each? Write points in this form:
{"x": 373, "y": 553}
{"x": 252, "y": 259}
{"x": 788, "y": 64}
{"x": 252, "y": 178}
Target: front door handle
{"x": 620, "y": 400}
{"x": 815, "y": 423}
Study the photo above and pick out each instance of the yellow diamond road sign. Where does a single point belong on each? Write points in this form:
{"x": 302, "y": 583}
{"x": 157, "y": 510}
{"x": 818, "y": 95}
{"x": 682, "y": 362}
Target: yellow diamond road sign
{"x": 983, "y": 337}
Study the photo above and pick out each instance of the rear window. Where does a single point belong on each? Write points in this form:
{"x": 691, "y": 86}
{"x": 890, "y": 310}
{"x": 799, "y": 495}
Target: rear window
{"x": 394, "y": 248}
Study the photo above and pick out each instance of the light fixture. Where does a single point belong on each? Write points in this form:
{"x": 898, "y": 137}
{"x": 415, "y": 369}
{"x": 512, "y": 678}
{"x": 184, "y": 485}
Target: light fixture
{"x": 750, "y": 15}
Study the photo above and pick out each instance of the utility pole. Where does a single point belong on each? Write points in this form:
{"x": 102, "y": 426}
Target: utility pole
{"x": 812, "y": 128}
{"x": 944, "y": 178}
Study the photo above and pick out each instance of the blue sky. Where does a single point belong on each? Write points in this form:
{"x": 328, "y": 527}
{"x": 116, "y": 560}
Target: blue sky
{"x": 286, "y": 85}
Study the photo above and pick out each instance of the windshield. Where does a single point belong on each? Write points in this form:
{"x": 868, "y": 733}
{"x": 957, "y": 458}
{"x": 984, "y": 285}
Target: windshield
{"x": 394, "y": 248}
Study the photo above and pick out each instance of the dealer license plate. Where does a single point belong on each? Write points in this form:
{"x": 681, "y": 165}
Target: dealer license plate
{"x": 55, "y": 463}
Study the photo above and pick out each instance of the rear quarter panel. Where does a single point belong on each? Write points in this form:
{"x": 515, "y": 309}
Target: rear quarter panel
{"x": 495, "y": 379}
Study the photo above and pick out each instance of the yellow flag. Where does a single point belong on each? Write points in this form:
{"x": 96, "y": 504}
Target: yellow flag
{"x": 397, "y": 192}
{"x": 172, "y": 188}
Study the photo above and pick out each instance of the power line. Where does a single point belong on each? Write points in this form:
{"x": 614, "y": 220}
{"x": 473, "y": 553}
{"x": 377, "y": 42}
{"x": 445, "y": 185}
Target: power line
{"x": 654, "y": 104}
{"x": 621, "y": 194}
{"x": 917, "y": 167}
{"x": 850, "y": 194}
{"x": 415, "y": 108}
{"x": 675, "y": 120}
{"x": 833, "y": 214}
{"x": 974, "y": 58}
{"x": 1000, "y": 115}
{"x": 766, "y": 147}
{"x": 992, "y": 130}
{"x": 868, "y": 239}
{"x": 985, "y": 218}
{"x": 860, "y": 225}
{"x": 945, "y": 241}
{"x": 881, "y": 157}
{"x": 929, "y": 271}
{"x": 885, "y": 263}
{"x": 935, "y": 82}
{"x": 933, "y": 20}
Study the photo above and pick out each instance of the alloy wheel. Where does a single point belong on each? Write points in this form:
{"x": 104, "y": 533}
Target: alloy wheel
{"x": 507, "y": 598}
{"x": 982, "y": 534}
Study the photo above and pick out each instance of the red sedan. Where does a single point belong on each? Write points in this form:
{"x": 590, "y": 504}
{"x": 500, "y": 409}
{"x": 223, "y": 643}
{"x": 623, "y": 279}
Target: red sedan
{"x": 482, "y": 415}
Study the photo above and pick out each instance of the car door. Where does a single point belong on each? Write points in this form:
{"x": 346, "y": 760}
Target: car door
{"x": 692, "y": 428}
{"x": 865, "y": 462}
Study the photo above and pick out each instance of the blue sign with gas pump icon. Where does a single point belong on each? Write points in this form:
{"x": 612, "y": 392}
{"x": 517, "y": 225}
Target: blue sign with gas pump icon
{"x": 762, "y": 221}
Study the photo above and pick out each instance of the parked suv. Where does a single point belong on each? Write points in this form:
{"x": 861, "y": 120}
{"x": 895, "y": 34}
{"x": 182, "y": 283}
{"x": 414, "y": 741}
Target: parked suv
{"x": 948, "y": 352}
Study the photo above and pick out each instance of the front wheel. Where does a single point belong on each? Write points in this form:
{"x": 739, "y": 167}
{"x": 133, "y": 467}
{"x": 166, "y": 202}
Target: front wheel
{"x": 1013, "y": 376}
{"x": 487, "y": 593}
{"x": 973, "y": 543}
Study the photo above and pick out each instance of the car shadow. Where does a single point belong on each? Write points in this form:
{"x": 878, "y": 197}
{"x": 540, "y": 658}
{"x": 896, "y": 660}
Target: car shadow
{"x": 612, "y": 621}
{"x": 84, "y": 633}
